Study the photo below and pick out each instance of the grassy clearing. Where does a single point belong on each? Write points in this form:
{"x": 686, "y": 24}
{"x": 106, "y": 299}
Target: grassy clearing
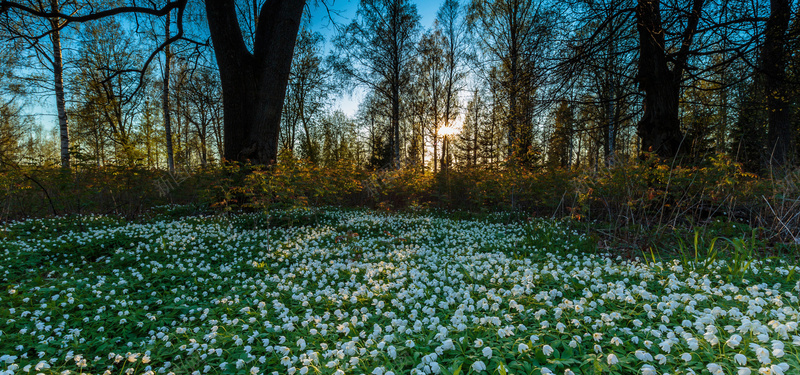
{"x": 359, "y": 292}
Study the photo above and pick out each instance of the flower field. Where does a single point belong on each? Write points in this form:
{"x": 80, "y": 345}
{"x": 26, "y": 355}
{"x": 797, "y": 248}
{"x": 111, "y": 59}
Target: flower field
{"x": 358, "y": 292}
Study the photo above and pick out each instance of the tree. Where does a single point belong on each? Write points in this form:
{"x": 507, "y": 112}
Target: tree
{"x": 468, "y": 144}
{"x": 432, "y": 78}
{"x": 307, "y": 92}
{"x": 559, "y": 152}
{"x": 33, "y": 32}
{"x": 513, "y": 34}
{"x": 598, "y": 62}
{"x": 773, "y": 67}
{"x": 450, "y": 21}
{"x": 103, "y": 97}
{"x": 660, "y": 76}
{"x": 203, "y": 98}
{"x": 12, "y": 125}
{"x": 253, "y": 83}
{"x": 165, "y": 97}
{"x": 338, "y": 135}
{"x": 378, "y": 48}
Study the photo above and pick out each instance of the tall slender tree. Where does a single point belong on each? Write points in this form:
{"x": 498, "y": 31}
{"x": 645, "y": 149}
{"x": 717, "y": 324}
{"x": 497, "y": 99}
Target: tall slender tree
{"x": 450, "y": 20}
{"x": 33, "y": 30}
{"x": 307, "y": 92}
{"x": 378, "y": 49}
{"x": 432, "y": 77}
{"x": 165, "y": 97}
{"x": 514, "y": 35}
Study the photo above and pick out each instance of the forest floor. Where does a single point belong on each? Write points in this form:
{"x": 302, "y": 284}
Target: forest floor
{"x": 361, "y": 292}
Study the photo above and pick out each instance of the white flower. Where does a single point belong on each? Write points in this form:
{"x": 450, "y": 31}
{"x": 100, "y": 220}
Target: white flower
{"x": 686, "y": 357}
{"x": 714, "y": 369}
{"x": 254, "y": 370}
{"x": 743, "y": 371}
{"x": 42, "y": 366}
{"x": 487, "y": 352}
{"x": 522, "y": 348}
{"x": 391, "y": 351}
{"x": 777, "y": 349}
{"x": 761, "y": 353}
{"x": 547, "y": 350}
{"x": 478, "y": 366}
{"x": 643, "y": 355}
{"x": 734, "y": 341}
{"x": 612, "y": 359}
{"x": 779, "y": 369}
{"x": 448, "y": 344}
{"x": 740, "y": 359}
{"x": 648, "y": 370}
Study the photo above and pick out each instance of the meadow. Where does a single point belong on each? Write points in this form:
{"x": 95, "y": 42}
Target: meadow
{"x": 331, "y": 291}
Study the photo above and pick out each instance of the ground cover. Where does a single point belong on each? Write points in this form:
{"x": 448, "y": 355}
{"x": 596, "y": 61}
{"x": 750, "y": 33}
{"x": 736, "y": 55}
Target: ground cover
{"x": 360, "y": 292}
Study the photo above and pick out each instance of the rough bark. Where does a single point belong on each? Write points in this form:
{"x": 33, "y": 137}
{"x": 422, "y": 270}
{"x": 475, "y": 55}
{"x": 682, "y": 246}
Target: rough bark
{"x": 773, "y": 62}
{"x": 58, "y": 76}
{"x": 165, "y": 100}
{"x": 659, "y": 129}
{"x": 254, "y": 84}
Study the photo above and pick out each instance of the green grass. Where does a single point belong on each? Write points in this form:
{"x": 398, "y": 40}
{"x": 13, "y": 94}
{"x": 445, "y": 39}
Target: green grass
{"x": 360, "y": 292}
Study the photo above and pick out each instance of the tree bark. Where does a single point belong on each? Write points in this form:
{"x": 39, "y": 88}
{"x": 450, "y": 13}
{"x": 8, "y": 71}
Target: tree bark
{"x": 58, "y": 76}
{"x": 254, "y": 84}
{"x": 165, "y": 100}
{"x": 659, "y": 129}
{"x": 773, "y": 62}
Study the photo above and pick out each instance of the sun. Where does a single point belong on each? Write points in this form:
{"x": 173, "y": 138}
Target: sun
{"x": 454, "y": 128}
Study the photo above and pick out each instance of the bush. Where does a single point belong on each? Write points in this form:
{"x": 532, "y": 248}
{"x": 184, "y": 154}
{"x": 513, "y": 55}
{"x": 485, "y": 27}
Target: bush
{"x": 646, "y": 194}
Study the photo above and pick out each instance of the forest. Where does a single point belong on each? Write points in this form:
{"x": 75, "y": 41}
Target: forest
{"x": 487, "y": 83}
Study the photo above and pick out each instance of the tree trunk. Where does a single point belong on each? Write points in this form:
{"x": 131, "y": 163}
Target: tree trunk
{"x": 254, "y": 84}
{"x": 58, "y": 75}
{"x": 659, "y": 128}
{"x": 775, "y": 83}
{"x": 165, "y": 100}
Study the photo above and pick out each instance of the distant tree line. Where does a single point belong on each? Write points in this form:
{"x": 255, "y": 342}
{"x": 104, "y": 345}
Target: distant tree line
{"x": 492, "y": 83}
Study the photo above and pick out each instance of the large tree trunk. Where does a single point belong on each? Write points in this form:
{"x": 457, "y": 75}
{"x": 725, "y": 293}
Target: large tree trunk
{"x": 659, "y": 129}
{"x": 165, "y": 100}
{"x": 58, "y": 75}
{"x": 254, "y": 84}
{"x": 773, "y": 63}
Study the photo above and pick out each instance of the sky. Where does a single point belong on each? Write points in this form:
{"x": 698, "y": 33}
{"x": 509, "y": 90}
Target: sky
{"x": 345, "y": 10}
